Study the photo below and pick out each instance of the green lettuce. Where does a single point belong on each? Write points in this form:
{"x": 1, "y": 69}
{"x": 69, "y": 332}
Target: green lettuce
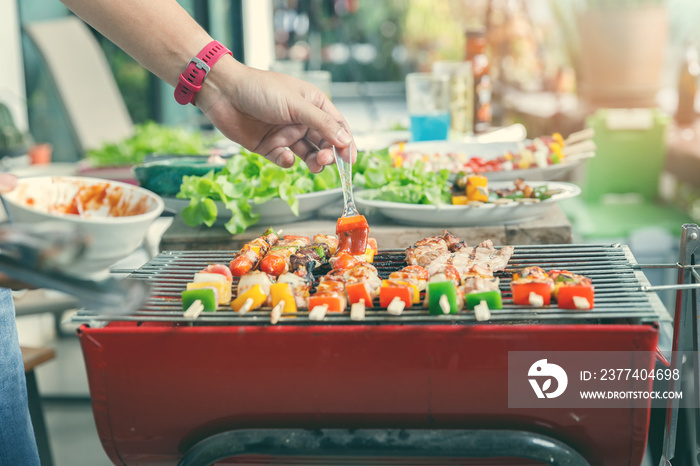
{"x": 248, "y": 178}
{"x": 412, "y": 185}
{"x": 150, "y": 137}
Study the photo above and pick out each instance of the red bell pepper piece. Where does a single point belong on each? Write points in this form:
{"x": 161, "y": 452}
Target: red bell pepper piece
{"x": 335, "y": 304}
{"x": 565, "y": 297}
{"x": 521, "y": 292}
{"x": 352, "y": 234}
{"x": 357, "y": 292}
{"x": 389, "y": 291}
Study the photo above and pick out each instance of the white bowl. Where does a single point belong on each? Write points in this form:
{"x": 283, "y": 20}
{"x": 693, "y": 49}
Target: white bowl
{"x": 114, "y": 216}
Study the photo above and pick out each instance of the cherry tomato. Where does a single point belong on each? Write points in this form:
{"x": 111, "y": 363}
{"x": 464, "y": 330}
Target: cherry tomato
{"x": 240, "y": 266}
{"x": 273, "y": 264}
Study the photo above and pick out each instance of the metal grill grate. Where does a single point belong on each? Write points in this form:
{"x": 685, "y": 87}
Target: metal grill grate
{"x": 619, "y": 290}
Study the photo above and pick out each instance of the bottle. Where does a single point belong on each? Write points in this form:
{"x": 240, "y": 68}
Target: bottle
{"x": 688, "y": 86}
{"x": 476, "y": 55}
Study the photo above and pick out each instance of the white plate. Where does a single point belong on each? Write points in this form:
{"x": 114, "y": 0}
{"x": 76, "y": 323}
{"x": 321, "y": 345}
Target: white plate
{"x": 464, "y": 215}
{"x": 274, "y": 211}
{"x": 490, "y": 151}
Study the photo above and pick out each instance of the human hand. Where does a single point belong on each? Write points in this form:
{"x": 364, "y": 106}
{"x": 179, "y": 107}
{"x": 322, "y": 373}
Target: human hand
{"x": 274, "y": 115}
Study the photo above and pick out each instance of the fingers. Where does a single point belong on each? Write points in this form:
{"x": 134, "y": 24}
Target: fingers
{"x": 7, "y": 182}
{"x": 325, "y": 121}
{"x": 281, "y": 156}
{"x": 326, "y": 156}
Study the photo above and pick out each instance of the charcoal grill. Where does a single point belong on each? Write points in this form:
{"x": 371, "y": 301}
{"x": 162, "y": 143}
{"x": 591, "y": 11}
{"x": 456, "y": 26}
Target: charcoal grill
{"x": 621, "y": 290}
{"x": 164, "y": 385}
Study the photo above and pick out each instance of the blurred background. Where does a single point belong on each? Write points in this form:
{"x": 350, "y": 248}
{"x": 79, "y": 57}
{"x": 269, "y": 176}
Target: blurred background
{"x": 368, "y": 48}
{"x": 628, "y": 68}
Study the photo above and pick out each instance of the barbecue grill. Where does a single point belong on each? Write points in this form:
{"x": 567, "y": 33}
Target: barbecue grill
{"x": 166, "y": 388}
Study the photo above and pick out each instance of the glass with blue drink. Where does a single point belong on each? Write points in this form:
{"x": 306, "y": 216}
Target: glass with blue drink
{"x": 428, "y": 101}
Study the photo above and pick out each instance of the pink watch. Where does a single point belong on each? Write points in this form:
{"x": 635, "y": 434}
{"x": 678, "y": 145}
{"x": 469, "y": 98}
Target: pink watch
{"x": 198, "y": 68}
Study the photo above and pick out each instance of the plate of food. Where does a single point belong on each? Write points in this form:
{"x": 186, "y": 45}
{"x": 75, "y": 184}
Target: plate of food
{"x": 545, "y": 158}
{"x": 503, "y": 202}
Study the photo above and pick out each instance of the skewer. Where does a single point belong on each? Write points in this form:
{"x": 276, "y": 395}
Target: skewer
{"x": 357, "y": 310}
{"x": 246, "y": 306}
{"x": 194, "y": 310}
{"x": 582, "y": 135}
{"x": 396, "y": 306}
{"x": 579, "y": 148}
{"x": 535, "y": 300}
{"x": 444, "y": 304}
{"x": 581, "y": 303}
{"x": 481, "y": 311}
{"x": 318, "y": 312}
{"x": 277, "y": 312}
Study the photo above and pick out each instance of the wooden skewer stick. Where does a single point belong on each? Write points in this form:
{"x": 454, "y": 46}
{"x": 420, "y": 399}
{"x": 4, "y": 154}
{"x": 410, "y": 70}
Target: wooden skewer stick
{"x": 579, "y": 148}
{"x": 444, "y": 304}
{"x": 357, "y": 310}
{"x": 246, "y": 306}
{"x": 194, "y": 310}
{"x": 581, "y": 303}
{"x": 582, "y": 135}
{"x": 482, "y": 312}
{"x": 277, "y": 312}
{"x": 535, "y": 300}
{"x": 396, "y": 306}
{"x": 319, "y": 312}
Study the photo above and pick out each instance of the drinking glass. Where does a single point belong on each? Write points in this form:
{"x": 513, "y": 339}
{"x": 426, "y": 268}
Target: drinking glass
{"x": 428, "y": 101}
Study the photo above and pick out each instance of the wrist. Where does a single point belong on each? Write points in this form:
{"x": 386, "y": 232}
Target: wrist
{"x": 191, "y": 80}
{"x": 222, "y": 79}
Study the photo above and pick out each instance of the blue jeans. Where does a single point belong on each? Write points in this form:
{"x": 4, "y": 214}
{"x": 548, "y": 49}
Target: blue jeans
{"x": 17, "y": 443}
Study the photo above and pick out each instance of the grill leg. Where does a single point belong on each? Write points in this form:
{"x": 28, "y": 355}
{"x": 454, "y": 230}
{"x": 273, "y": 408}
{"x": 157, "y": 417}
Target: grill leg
{"x": 383, "y": 443}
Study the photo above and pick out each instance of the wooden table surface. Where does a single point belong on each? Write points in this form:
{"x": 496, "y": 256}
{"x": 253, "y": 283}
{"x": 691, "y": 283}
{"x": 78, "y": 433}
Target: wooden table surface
{"x": 552, "y": 228}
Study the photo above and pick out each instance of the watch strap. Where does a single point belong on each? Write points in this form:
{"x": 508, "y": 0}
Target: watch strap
{"x": 190, "y": 81}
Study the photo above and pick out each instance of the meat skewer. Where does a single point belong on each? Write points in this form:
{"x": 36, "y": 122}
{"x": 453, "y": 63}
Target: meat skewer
{"x": 403, "y": 288}
{"x": 277, "y": 261}
{"x": 444, "y": 295}
{"x": 532, "y": 286}
{"x": 362, "y": 284}
{"x": 253, "y": 291}
{"x": 572, "y": 291}
{"x": 252, "y": 253}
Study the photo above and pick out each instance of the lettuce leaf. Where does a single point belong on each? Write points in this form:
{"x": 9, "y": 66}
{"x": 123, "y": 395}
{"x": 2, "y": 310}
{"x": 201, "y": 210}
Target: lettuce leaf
{"x": 249, "y": 179}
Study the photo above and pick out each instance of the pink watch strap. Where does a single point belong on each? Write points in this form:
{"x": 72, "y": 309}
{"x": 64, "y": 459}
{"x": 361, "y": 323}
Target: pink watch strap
{"x": 190, "y": 82}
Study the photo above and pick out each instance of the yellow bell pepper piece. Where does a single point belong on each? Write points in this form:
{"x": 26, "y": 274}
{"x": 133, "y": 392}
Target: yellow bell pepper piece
{"x": 223, "y": 287}
{"x": 557, "y": 153}
{"x": 558, "y": 138}
{"x": 460, "y": 200}
{"x": 477, "y": 188}
{"x": 256, "y": 293}
{"x": 283, "y": 292}
{"x": 368, "y": 256}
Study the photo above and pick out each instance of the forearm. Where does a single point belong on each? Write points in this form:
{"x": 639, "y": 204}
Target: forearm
{"x": 159, "y": 34}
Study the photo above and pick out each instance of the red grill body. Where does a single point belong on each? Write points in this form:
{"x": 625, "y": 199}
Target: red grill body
{"x": 159, "y": 387}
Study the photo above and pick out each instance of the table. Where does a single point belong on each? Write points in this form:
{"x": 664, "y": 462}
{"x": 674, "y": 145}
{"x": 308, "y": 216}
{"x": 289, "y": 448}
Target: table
{"x": 552, "y": 228}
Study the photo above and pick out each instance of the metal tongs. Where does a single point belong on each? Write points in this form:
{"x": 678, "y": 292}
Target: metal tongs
{"x": 36, "y": 254}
